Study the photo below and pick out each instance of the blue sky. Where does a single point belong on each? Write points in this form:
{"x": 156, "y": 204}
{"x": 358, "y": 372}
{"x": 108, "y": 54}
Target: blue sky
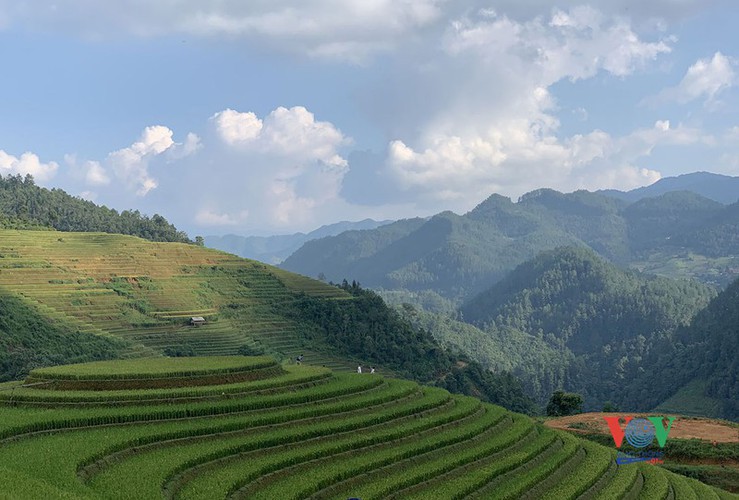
{"x": 278, "y": 116}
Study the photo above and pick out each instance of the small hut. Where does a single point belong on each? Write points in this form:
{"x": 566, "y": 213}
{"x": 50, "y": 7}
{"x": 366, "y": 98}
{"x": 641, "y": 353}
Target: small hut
{"x": 197, "y": 320}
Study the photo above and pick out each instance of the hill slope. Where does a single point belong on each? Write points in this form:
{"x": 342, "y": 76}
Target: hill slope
{"x": 592, "y": 327}
{"x": 704, "y": 361}
{"x": 144, "y": 293}
{"x": 291, "y": 432}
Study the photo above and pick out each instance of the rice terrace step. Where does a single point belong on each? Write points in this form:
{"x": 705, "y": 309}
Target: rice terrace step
{"x": 184, "y": 428}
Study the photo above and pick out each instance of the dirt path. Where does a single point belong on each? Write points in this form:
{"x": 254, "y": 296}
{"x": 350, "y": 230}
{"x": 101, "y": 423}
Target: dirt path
{"x": 682, "y": 428}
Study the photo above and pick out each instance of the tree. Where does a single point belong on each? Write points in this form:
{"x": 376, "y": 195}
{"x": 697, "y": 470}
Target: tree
{"x": 609, "y": 407}
{"x": 200, "y": 241}
{"x": 564, "y": 403}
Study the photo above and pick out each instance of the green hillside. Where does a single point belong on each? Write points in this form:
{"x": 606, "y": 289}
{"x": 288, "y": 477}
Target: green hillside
{"x": 251, "y": 428}
{"x": 144, "y": 293}
{"x": 569, "y": 319}
{"x": 677, "y": 234}
{"x": 704, "y": 359}
{"x": 106, "y": 296}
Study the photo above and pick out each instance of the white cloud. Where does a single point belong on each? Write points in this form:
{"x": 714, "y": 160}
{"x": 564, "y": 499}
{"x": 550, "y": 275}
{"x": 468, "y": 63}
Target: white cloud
{"x": 496, "y": 130}
{"x": 285, "y": 132}
{"x": 96, "y": 174}
{"x": 131, "y": 164}
{"x": 705, "y": 79}
{"x": 28, "y": 163}
{"x": 207, "y": 217}
{"x": 287, "y": 164}
{"x": 235, "y": 127}
{"x": 347, "y": 29}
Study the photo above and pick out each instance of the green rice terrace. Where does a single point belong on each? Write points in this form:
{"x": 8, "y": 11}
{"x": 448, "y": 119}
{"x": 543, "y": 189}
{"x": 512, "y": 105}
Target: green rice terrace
{"x": 249, "y": 427}
{"x": 145, "y": 293}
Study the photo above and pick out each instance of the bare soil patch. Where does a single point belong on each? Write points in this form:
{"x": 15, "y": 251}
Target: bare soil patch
{"x": 682, "y": 428}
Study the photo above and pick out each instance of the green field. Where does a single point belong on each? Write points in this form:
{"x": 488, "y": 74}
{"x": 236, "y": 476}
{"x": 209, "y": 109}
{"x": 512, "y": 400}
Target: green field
{"x": 145, "y": 293}
{"x": 300, "y": 432}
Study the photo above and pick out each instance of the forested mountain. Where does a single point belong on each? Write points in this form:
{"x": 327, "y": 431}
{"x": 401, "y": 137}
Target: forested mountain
{"x": 366, "y": 328}
{"x": 707, "y": 352}
{"x": 24, "y": 205}
{"x": 275, "y": 249}
{"x": 569, "y": 319}
{"x": 678, "y": 234}
{"x": 716, "y": 187}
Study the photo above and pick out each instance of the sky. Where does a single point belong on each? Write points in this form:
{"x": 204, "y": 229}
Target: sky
{"x": 277, "y": 116}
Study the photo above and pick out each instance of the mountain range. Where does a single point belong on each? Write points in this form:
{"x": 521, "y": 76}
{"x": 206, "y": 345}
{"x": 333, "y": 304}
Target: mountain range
{"x": 678, "y": 234}
{"x": 721, "y": 188}
{"x": 275, "y": 249}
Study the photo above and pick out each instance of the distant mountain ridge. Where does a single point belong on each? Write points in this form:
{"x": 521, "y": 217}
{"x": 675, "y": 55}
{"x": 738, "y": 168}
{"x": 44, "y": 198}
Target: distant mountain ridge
{"x": 679, "y": 234}
{"x": 275, "y": 249}
{"x": 721, "y": 188}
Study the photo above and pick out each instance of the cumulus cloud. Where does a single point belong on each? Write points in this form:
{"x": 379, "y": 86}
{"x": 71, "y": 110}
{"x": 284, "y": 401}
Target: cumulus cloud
{"x": 96, "y": 174}
{"x": 286, "y": 132}
{"x": 497, "y": 130}
{"x": 292, "y": 161}
{"x": 705, "y": 79}
{"x": 28, "y": 163}
{"x": 131, "y": 165}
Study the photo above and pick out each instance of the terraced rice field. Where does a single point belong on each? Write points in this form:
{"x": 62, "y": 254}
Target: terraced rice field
{"x": 146, "y": 292}
{"x": 251, "y": 428}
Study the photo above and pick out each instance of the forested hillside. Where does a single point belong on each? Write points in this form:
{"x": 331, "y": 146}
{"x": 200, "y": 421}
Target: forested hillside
{"x": 677, "y": 234}
{"x": 29, "y": 340}
{"x": 569, "y": 319}
{"x": 705, "y": 356}
{"x": 23, "y": 205}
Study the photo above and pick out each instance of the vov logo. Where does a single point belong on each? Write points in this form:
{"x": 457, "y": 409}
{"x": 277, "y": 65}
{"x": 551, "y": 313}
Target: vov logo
{"x": 639, "y": 433}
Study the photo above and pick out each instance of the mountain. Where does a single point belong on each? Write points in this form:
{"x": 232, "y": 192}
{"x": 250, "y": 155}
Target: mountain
{"x": 23, "y": 205}
{"x": 721, "y": 188}
{"x": 591, "y": 327}
{"x": 275, "y": 249}
{"x": 79, "y": 296}
{"x": 704, "y": 361}
{"x": 678, "y": 234}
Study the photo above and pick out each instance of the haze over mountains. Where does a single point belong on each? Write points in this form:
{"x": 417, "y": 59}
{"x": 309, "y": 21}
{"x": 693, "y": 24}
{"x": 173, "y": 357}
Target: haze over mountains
{"x": 717, "y": 187}
{"x": 275, "y": 249}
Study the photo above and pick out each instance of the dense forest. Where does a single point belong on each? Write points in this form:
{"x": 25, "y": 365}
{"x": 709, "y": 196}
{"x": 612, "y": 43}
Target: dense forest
{"x": 366, "y": 328}
{"x": 570, "y": 320}
{"x": 707, "y": 351}
{"x": 28, "y": 341}
{"x": 677, "y": 234}
{"x": 24, "y": 205}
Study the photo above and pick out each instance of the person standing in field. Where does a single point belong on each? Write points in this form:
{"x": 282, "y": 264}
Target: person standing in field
{"x": 359, "y": 369}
